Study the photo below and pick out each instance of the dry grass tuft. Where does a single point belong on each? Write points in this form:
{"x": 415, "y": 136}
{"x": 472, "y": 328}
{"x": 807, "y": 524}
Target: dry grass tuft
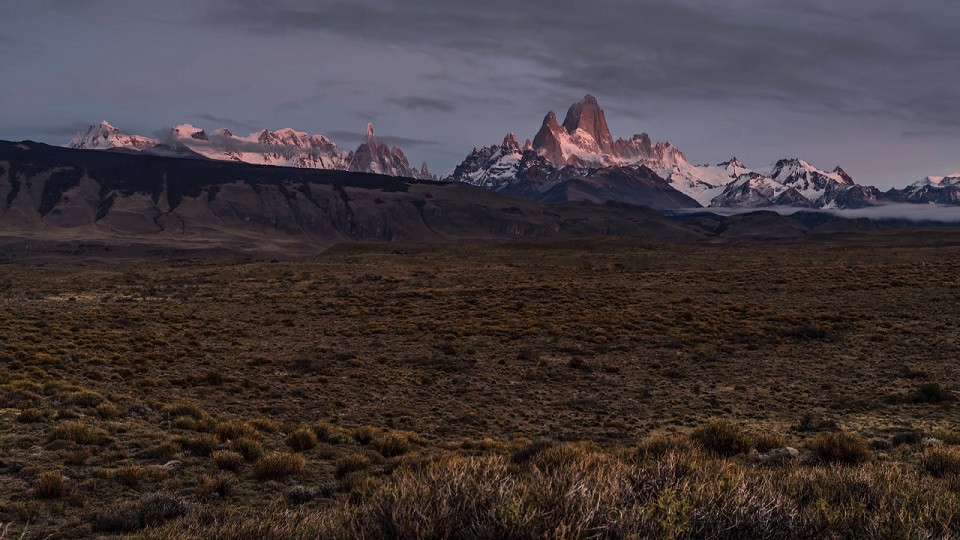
{"x": 841, "y": 447}
{"x": 302, "y": 440}
{"x": 279, "y": 465}
{"x": 228, "y": 460}
{"x": 941, "y": 461}
{"x": 80, "y": 433}
{"x": 50, "y": 485}
{"x": 722, "y": 438}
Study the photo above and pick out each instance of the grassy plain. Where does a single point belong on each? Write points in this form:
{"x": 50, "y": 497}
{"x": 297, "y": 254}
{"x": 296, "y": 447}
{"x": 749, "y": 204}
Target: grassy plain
{"x": 589, "y": 388}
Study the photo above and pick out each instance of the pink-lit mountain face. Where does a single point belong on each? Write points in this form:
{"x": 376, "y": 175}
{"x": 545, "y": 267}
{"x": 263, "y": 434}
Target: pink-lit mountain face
{"x": 584, "y": 140}
{"x": 103, "y": 136}
{"x": 576, "y": 160}
{"x": 284, "y": 147}
{"x": 582, "y": 149}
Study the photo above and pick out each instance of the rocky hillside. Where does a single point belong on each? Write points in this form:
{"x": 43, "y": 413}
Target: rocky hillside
{"x": 52, "y": 196}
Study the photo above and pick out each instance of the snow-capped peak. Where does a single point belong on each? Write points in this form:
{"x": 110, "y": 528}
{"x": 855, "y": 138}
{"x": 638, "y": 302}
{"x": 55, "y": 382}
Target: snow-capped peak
{"x": 188, "y": 130}
{"x": 285, "y": 147}
{"x": 584, "y": 140}
{"x": 793, "y": 170}
{"x": 732, "y": 163}
{"x": 938, "y": 181}
{"x": 104, "y": 136}
{"x": 704, "y": 182}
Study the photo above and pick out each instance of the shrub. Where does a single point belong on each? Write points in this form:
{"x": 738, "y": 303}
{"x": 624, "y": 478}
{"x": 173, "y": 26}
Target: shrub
{"x": 392, "y": 443}
{"x": 279, "y": 465}
{"x": 108, "y": 411}
{"x": 250, "y": 449}
{"x": 234, "y": 429}
{"x": 302, "y": 440}
{"x": 298, "y": 495}
{"x": 77, "y": 456}
{"x": 941, "y": 461}
{"x": 85, "y": 398}
{"x": 365, "y": 434}
{"x": 840, "y": 447}
{"x": 200, "y": 445}
{"x": 165, "y": 450}
{"x": 184, "y": 422}
{"x": 184, "y": 408}
{"x": 79, "y": 433}
{"x": 150, "y": 510}
{"x": 329, "y": 433}
{"x": 948, "y": 436}
{"x": 50, "y": 485}
{"x": 722, "y": 438}
{"x": 932, "y": 393}
{"x": 213, "y": 378}
{"x": 31, "y": 416}
{"x": 526, "y": 452}
{"x": 265, "y": 425}
{"x": 220, "y": 485}
{"x": 228, "y": 460}
{"x": 130, "y": 475}
{"x": 766, "y": 441}
{"x": 349, "y": 463}
{"x": 909, "y": 436}
{"x": 657, "y": 446}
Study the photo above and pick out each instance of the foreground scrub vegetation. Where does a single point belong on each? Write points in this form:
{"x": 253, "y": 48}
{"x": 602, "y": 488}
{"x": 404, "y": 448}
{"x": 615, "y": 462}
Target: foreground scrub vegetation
{"x": 593, "y": 389}
{"x": 662, "y": 488}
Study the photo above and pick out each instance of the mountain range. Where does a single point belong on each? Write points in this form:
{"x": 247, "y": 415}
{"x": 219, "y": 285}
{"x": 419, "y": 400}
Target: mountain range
{"x": 284, "y": 147}
{"x": 579, "y": 160}
{"x": 574, "y": 160}
{"x": 81, "y": 204}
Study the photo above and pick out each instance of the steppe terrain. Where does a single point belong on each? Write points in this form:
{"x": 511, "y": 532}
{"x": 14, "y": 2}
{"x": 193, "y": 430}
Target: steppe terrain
{"x": 575, "y": 388}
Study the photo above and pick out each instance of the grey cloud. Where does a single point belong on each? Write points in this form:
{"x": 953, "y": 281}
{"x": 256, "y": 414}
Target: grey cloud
{"x": 219, "y": 142}
{"x": 934, "y": 132}
{"x": 54, "y": 131}
{"x": 416, "y": 103}
{"x": 223, "y": 121}
{"x": 850, "y": 57}
{"x": 403, "y": 142}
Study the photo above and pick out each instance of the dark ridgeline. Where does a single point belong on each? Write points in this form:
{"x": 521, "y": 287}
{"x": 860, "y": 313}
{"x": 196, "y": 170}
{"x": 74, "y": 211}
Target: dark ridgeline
{"x": 56, "y": 193}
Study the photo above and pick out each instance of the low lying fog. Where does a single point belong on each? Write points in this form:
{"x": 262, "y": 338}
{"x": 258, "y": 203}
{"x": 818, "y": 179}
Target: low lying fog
{"x": 910, "y": 212}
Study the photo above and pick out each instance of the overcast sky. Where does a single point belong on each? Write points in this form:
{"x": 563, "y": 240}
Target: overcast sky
{"x": 871, "y": 85}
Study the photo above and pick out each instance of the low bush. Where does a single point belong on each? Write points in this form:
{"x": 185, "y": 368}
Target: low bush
{"x": 31, "y": 416}
{"x": 235, "y": 429}
{"x": 200, "y": 445}
{"x": 840, "y": 447}
{"x": 50, "y": 485}
{"x": 279, "y": 465}
{"x": 932, "y": 393}
{"x": 150, "y": 510}
{"x": 85, "y": 398}
{"x": 392, "y": 443}
{"x": 250, "y": 449}
{"x": 349, "y": 463}
{"x": 228, "y": 460}
{"x": 78, "y": 432}
{"x": 941, "y": 461}
{"x": 722, "y": 438}
{"x": 129, "y": 475}
{"x": 302, "y": 440}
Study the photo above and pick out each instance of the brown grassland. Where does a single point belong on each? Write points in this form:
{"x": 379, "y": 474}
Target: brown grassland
{"x": 580, "y": 389}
